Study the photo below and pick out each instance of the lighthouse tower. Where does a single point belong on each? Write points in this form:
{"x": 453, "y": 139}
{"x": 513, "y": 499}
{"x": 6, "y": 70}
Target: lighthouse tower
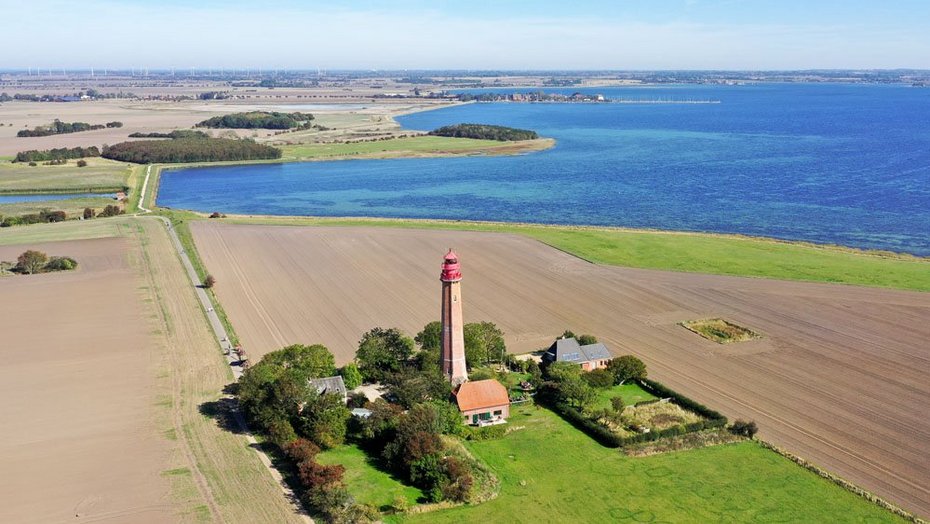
{"x": 452, "y": 352}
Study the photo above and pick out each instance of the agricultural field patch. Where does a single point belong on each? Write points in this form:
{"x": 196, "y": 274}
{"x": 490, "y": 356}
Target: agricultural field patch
{"x": 720, "y": 330}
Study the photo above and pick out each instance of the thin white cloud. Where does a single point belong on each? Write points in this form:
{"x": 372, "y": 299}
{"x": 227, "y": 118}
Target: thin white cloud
{"x": 101, "y": 33}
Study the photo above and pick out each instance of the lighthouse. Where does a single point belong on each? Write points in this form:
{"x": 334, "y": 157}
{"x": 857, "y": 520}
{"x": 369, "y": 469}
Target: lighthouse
{"x": 452, "y": 352}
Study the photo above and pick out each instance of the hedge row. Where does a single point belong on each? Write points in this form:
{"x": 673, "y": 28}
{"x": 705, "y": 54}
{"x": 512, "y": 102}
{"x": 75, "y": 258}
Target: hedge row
{"x": 661, "y": 391}
{"x": 608, "y": 438}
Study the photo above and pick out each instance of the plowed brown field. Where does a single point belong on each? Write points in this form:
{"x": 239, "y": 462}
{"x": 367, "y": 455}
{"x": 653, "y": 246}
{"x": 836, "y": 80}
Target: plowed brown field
{"x": 78, "y": 382}
{"x": 840, "y": 377}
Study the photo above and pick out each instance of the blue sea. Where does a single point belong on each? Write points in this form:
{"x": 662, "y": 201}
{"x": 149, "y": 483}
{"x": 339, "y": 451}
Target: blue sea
{"x": 830, "y": 163}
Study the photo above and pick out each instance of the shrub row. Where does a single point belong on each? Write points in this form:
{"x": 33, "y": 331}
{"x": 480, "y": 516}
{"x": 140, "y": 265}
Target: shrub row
{"x": 60, "y": 128}
{"x": 177, "y": 133}
{"x": 661, "y": 391}
{"x": 608, "y": 438}
{"x": 485, "y": 433}
{"x": 843, "y": 483}
{"x": 56, "y": 154}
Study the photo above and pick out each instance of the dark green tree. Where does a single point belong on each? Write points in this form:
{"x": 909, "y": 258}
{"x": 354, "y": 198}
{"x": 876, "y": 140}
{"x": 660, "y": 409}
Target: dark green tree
{"x": 627, "y": 367}
{"x": 382, "y": 351}
{"x": 484, "y": 343}
{"x": 431, "y": 336}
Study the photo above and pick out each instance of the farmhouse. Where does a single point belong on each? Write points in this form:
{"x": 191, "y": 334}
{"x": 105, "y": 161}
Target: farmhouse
{"x": 589, "y": 357}
{"x": 330, "y": 385}
{"x": 483, "y": 402}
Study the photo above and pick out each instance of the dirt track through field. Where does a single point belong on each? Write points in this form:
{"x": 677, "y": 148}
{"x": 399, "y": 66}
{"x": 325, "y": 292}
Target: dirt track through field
{"x": 839, "y": 378}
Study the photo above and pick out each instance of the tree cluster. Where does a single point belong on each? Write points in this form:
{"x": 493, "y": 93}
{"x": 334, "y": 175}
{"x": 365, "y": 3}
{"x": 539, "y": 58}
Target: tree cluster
{"x": 484, "y": 342}
{"x": 567, "y": 382}
{"x": 258, "y": 120}
{"x": 61, "y": 153}
{"x": 485, "y": 132}
{"x": 177, "y": 133}
{"x": 60, "y": 128}
{"x": 190, "y": 150}
{"x": 276, "y": 395}
{"x": 31, "y": 262}
{"x": 411, "y": 445}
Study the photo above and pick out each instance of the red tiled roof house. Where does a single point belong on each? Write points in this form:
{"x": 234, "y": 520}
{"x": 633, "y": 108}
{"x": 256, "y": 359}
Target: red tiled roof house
{"x": 483, "y": 402}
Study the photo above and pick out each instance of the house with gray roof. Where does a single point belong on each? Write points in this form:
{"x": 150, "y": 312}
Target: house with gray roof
{"x": 589, "y": 357}
{"x": 330, "y": 385}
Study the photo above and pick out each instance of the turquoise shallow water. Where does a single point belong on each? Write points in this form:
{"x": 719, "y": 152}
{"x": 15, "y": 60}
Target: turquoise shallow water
{"x": 845, "y": 164}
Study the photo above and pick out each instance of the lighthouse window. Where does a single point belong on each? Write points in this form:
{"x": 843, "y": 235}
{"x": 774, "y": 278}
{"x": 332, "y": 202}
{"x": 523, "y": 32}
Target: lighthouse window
{"x": 455, "y": 298}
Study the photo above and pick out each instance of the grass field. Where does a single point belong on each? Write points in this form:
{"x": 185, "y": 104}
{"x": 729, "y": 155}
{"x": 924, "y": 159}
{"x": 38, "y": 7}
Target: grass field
{"x": 368, "y": 484}
{"x": 100, "y": 176}
{"x": 630, "y": 393}
{"x": 688, "y": 252}
{"x": 551, "y": 472}
{"x": 411, "y": 147}
{"x": 74, "y": 207}
{"x": 97, "y": 228}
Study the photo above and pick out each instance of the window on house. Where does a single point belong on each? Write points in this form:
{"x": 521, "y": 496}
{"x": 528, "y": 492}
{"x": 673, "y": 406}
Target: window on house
{"x": 497, "y": 412}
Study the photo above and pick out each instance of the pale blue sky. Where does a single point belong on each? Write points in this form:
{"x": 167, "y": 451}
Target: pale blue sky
{"x": 482, "y": 34}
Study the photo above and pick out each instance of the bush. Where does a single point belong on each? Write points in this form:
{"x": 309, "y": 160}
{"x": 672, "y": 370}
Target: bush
{"x": 209, "y": 282}
{"x": 31, "y": 261}
{"x": 486, "y": 433}
{"x": 301, "y": 450}
{"x": 82, "y": 163}
{"x": 52, "y": 216}
{"x": 60, "y": 264}
{"x": 281, "y": 432}
{"x": 351, "y": 375}
{"x": 89, "y": 213}
{"x": 744, "y": 428}
{"x": 617, "y": 404}
{"x": 599, "y": 378}
{"x": 111, "y": 211}
{"x": 627, "y": 367}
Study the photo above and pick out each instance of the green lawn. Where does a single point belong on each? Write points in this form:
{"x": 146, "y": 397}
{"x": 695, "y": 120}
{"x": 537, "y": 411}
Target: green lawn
{"x": 368, "y": 484}
{"x": 410, "y": 146}
{"x": 100, "y": 176}
{"x": 630, "y": 393}
{"x": 551, "y": 472}
{"x": 690, "y": 252}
